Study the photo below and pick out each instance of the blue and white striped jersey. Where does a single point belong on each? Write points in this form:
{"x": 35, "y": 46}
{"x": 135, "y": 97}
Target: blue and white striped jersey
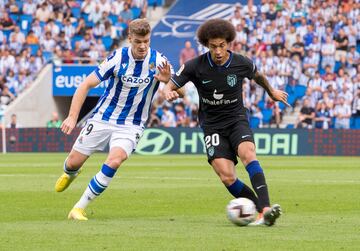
{"x": 131, "y": 87}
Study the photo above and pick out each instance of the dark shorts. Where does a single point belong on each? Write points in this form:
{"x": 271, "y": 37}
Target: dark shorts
{"x": 224, "y": 142}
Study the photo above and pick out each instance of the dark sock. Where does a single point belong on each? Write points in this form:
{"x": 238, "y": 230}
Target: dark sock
{"x": 258, "y": 183}
{"x": 70, "y": 171}
{"x": 239, "y": 189}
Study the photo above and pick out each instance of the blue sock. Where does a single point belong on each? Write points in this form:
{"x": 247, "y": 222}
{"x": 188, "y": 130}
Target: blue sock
{"x": 258, "y": 183}
{"x": 97, "y": 185}
{"x": 239, "y": 189}
{"x": 253, "y": 168}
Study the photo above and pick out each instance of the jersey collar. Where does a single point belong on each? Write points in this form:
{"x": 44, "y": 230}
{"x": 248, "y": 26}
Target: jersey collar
{"x": 225, "y": 65}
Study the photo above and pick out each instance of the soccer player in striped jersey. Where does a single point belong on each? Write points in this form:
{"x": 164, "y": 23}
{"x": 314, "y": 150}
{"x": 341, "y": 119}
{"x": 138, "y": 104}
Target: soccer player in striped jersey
{"x": 133, "y": 75}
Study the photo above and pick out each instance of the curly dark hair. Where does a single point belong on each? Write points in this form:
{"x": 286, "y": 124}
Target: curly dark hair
{"x": 216, "y": 28}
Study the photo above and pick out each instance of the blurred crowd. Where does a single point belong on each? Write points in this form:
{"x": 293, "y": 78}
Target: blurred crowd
{"x": 309, "y": 49}
{"x": 32, "y": 32}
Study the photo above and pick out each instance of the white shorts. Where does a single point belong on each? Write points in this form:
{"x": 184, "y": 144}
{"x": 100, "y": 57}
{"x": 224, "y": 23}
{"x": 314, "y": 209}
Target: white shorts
{"x": 97, "y": 135}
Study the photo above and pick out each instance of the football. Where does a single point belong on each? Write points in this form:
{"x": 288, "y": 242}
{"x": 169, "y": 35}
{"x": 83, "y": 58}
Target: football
{"x": 241, "y": 211}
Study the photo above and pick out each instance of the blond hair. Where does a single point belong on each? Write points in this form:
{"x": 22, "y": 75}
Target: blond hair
{"x": 139, "y": 27}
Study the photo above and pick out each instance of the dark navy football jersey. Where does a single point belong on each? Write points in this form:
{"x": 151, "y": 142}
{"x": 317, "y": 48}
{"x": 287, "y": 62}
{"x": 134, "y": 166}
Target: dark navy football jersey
{"x": 219, "y": 87}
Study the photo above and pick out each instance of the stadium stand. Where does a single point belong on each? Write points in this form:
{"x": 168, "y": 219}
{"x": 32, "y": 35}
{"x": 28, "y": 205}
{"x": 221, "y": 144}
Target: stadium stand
{"x": 308, "y": 48}
{"x": 34, "y": 32}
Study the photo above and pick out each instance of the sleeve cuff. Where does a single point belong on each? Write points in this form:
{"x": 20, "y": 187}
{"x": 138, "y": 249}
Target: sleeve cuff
{"x": 173, "y": 80}
{"x": 98, "y": 75}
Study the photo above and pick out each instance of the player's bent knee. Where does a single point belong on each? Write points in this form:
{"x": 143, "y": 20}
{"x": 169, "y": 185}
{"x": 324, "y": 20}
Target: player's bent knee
{"x": 115, "y": 160}
{"x": 114, "y": 163}
{"x": 227, "y": 180}
{"x": 248, "y": 156}
{"x": 75, "y": 160}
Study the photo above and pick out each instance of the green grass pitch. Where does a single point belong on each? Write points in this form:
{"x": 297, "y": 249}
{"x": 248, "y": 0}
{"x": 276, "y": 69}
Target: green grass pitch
{"x": 177, "y": 203}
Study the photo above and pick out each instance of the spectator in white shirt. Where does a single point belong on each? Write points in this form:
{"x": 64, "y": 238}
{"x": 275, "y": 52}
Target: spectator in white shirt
{"x": 168, "y": 117}
{"x": 7, "y": 60}
{"x": 117, "y": 6}
{"x": 95, "y": 15}
{"x": 347, "y": 95}
{"x": 88, "y": 6}
{"x": 52, "y": 27}
{"x": 249, "y": 10}
{"x": 15, "y": 45}
{"x": 68, "y": 28}
{"x": 85, "y": 43}
{"x": 43, "y": 13}
{"x": 311, "y": 62}
{"x": 48, "y": 43}
{"x": 36, "y": 27}
{"x": 342, "y": 113}
{"x": 19, "y": 36}
{"x": 328, "y": 50}
{"x": 316, "y": 85}
{"x": 104, "y": 6}
{"x": 29, "y": 7}
{"x": 241, "y": 36}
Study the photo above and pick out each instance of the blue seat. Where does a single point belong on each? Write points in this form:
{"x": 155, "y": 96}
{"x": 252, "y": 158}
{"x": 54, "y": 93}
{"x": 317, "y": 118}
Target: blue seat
{"x": 289, "y": 126}
{"x": 282, "y": 106}
{"x": 254, "y": 122}
{"x": 107, "y": 41}
{"x": 42, "y": 24}
{"x": 59, "y": 24}
{"x": 25, "y": 22}
{"x": 136, "y": 12}
{"x": 89, "y": 24}
{"x": 261, "y": 104}
{"x": 75, "y": 24}
{"x": 76, "y": 11}
{"x": 19, "y": 4}
{"x": 291, "y": 99}
{"x": 352, "y": 122}
{"x": 85, "y": 16}
{"x": 113, "y": 18}
{"x": 155, "y": 2}
{"x": 14, "y": 17}
{"x": 7, "y": 34}
{"x": 267, "y": 115}
{"x": 337, "y": 66}
{"x": 357, "y": 123}
{"x": 333, "y": 120}
{"x": 75, "y": 39}
{"x": 300, "y": 91}
{"x": 47, "y": 56}
{"x": 289, "y": 89}
{"x": 34, "y": 48}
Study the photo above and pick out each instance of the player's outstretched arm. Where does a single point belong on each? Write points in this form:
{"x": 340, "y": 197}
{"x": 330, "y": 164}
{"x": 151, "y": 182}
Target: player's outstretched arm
{"x": 77, "y": 101}
{"x": 164, "y": 76}
{"x": 276, "y": 95}
{"x": 172, "y": 92}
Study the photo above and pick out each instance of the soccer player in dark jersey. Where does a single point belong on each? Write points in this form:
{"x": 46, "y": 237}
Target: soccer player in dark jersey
{"x": 218, "y": 76}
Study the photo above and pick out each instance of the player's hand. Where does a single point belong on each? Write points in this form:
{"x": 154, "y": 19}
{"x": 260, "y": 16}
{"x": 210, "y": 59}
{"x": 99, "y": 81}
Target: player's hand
{"x": 278, "y": 95}
{"x": 171, "y": 96}
{"x": 68, "y": 125}
{"x": 164, "y": 74}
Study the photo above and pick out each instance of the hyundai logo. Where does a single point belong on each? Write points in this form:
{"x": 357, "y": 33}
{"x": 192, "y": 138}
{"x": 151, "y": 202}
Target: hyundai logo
{"x": 154, "y": 142}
